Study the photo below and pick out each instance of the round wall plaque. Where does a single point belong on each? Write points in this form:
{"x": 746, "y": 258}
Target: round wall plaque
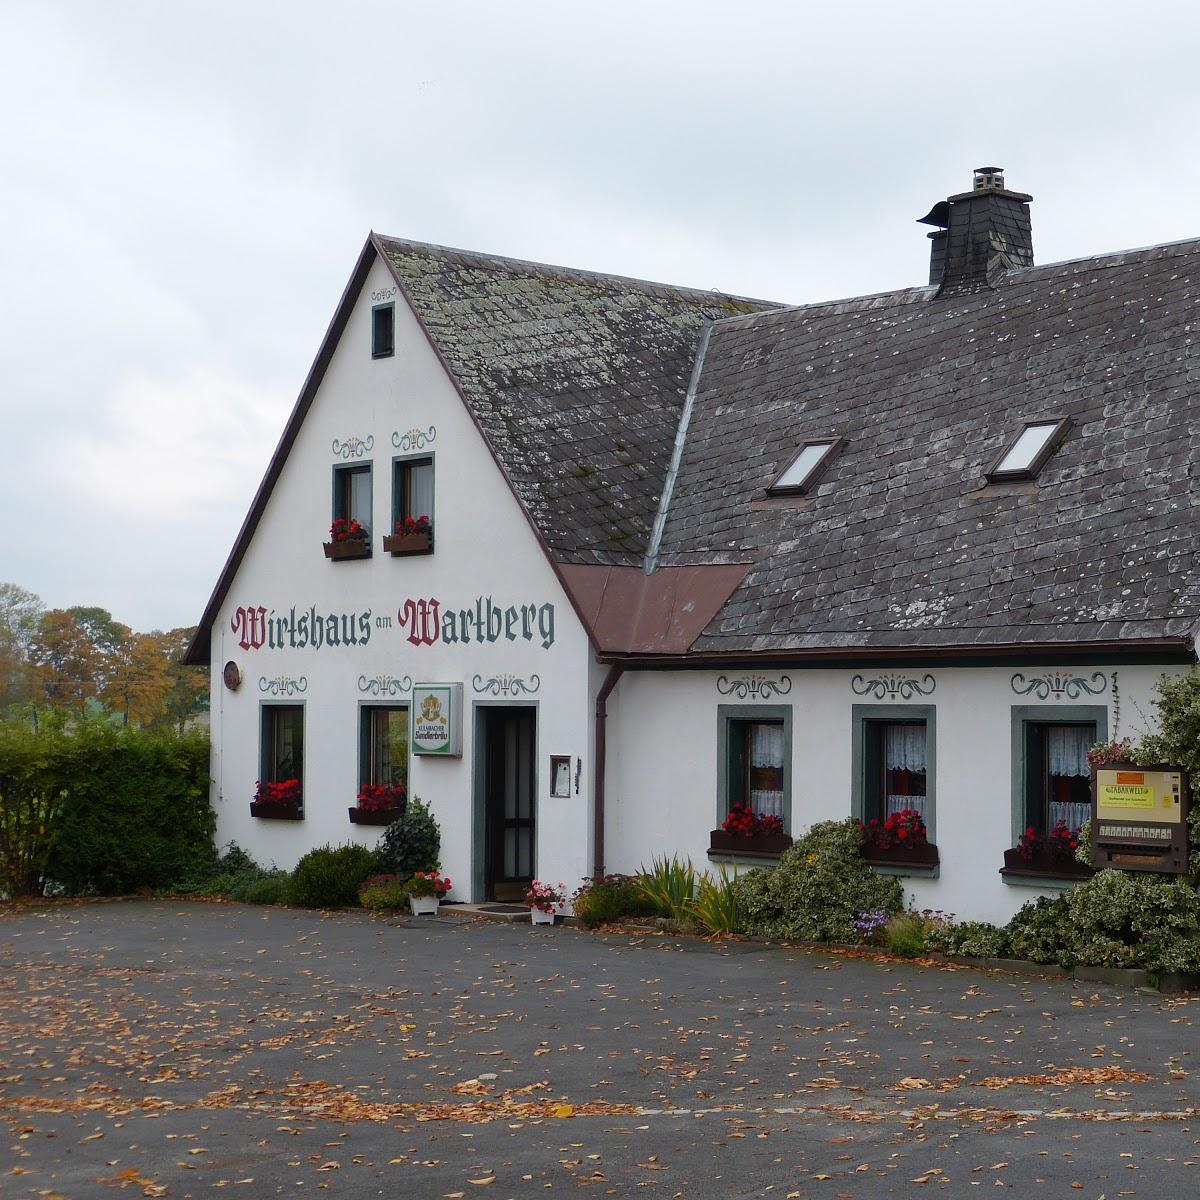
{"x": 232, "y": 675}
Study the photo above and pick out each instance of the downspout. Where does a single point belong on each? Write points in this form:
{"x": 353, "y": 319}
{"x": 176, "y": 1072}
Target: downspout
{"x": 610, "y": 682}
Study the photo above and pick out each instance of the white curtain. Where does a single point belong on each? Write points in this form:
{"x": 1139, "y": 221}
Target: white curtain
{"x": 1066, "y": 755}
{"x": 421, "y": 476}
{"x": 1067, "y": 747}
{"x": 766, "y": 751}
{"x": 904, "y": 750}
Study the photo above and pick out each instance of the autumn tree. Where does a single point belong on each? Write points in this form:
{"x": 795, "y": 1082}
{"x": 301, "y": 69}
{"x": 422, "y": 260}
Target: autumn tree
{"x": 138, "y": 677}
{"x": 20, "y": 614}
{"x": 66, "y": 665}
{"x": 188, "y": 694}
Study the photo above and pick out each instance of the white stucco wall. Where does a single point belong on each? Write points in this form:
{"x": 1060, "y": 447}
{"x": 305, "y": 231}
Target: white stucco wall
{"x": 662, "y": 766}
{"x": 483, "y": 548}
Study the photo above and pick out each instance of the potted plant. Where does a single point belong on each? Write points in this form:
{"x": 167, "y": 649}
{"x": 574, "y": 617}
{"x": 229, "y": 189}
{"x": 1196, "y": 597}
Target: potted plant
{"x": 414, "y": 535}
{"x": 544, "y": 900}
{"x": 347, "y": 539}
{"x": 279, "y": 800}
{"x": 1051, "y": 854}
{"x": 901, "y": 840}
{"x": 379, "y": 804}
{"x": 425, "y": 892}
{"x": 752, "y": 834}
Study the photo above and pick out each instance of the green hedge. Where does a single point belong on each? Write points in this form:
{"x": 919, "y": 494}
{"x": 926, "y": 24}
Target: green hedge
{"x": 93, "y": 808}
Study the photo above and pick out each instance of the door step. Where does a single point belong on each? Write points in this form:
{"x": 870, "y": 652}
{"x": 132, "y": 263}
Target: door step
{"x": 496, "y": 912}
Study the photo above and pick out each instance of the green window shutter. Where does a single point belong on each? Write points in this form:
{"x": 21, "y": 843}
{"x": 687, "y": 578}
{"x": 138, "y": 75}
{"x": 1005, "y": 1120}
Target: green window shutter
{"x": 872, "y": 770}
{"x": 1035, "y": 759}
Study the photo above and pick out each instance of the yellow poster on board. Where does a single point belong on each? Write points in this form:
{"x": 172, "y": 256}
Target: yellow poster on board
{"x": 1129, "y": 795}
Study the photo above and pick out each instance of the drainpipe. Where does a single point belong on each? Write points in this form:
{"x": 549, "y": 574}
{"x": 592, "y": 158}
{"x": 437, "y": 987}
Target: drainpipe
{"x": 610, "y": 682}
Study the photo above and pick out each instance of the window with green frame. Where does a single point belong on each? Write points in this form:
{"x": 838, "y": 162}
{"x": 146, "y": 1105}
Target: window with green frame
{"x": 352, "y": 494}
{"x": 383, "y": 745}
{"x": 1058, "y": 776}
{"x": 895, "y": 768}
{"x": 282, "y": 750}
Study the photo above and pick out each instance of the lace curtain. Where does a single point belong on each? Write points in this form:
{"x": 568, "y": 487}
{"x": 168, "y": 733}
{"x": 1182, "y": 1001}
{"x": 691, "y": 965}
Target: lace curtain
{"x": 903, "y": 758}
{"x": 1066, "y": 758}
{"x": 766, "y": 769}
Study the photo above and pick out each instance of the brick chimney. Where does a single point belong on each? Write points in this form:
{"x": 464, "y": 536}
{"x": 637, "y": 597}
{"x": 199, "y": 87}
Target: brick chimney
{"x": 980, "y": 234}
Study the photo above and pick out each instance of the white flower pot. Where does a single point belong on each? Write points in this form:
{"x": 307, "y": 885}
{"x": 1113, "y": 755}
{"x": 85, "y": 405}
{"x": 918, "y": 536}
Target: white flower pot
{"x": 424, "y": 906}
{"x": 541, "y": 918}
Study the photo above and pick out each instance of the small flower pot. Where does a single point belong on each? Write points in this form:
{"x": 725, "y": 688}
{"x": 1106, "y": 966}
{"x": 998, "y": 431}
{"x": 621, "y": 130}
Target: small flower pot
{"x": 398, "y": 544}
{"x": 264, "y": 810}
{"x": 424, "y": 906}
{"x": 350, "y": 548}
{"x": 538, "y": 917}
{"x": 767, "y": 845}
{"x": 381, "y": 816}
{"x": 901, "y": 855}
{"x": 1044, "y": 863}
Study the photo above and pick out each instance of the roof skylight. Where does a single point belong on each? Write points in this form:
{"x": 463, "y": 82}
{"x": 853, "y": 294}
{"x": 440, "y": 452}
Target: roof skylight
{"x": 1025, "y": 454}
{"x": 806, "y": 468}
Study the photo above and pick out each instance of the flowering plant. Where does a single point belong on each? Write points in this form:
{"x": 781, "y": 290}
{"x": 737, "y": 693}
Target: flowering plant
{"x": 744, "y": 820}
{"x": 421, "y": 524}
{"x": 1103, "y": 753}
{"x": 347, "y": 531}
{"x": 546, "y": 896}
{"x": 1060, "y": 843}
{"x": 429, "y": 883}
{"x": 903, "y": 828}
{"x": 284, "y": 791}
{"x": 870, "y": 925}
{"x": 381, "y": 797}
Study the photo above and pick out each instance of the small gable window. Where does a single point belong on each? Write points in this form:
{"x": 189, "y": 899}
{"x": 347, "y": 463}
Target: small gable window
{"x": 804, "y": 471}
{"x": 383, "y": 331}
{"x": 1026, "y": 454}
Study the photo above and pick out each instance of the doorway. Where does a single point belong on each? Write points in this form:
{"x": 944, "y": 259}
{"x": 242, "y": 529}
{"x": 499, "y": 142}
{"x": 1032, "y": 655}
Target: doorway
{"x": 508, "y": 755}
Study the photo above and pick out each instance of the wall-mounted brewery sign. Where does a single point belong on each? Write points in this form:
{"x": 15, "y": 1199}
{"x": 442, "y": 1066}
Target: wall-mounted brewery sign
{"x": 1139, "y": 818}
{"x": 437, "y": 719}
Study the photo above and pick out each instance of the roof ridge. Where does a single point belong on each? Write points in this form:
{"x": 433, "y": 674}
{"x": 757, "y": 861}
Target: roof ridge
{"x": 577, "y": 272}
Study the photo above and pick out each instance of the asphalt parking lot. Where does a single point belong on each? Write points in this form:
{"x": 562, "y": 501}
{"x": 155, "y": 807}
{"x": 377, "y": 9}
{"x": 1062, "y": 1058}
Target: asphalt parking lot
{"x": 170, "y": 1048}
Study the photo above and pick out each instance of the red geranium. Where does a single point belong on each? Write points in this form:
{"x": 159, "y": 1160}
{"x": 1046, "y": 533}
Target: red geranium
{"x": 381, "y": 797}
{"x": 744, "y": 820}
{"x": 906, "y": 826}
{"x": 284, "y": 791}
{"x": 347, "y": 531}
{"x": 421, "y": 524}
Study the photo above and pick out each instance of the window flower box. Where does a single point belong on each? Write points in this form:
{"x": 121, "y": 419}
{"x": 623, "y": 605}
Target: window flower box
{"x": 347, "y": 540}
{"x": 923, "y": 854}
{"x": 379, "y": 804}
{"x": 276, "y": 812}
{"x": 900, "y": 840}
{"x": 278, "y": 801}
{"x": 414, "y": 535}
{"x": 1044, "y": 862}
{"x": 399, "y": 544}
{"x": 762, "y": 845}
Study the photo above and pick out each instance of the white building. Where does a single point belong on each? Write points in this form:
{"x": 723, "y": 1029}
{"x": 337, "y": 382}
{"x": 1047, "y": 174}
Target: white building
{"x": 915, "y": 550}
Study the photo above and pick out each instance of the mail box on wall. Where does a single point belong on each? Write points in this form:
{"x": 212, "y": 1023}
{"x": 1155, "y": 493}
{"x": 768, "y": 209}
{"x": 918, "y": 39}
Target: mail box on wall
{"x": 1139, "y": 818}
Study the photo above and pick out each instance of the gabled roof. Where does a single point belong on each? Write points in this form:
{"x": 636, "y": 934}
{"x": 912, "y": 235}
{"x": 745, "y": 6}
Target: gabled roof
{"x": 576, "y": 379}
{"x": 904, "y": 544}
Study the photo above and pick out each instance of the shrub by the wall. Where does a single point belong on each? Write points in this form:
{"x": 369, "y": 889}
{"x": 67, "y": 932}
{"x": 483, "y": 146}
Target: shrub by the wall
{"x": 601, "y": 901}
{"x": 974, "y": 939}
{"x": 820, "y": 885}
{"x": 412, "y": 842}
{"x": 330, "y": 878}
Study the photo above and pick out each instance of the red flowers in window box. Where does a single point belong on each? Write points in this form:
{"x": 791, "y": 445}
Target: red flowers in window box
{"x": 379, "y": 804}
{"x": 282, "y": 800}
{"x": 1051, "y": 854}
{"x": 347, "y": 539}
{"x": 745, "y": 831}
{"x": 900, "y": 839}
{"x": 414, "y": 535}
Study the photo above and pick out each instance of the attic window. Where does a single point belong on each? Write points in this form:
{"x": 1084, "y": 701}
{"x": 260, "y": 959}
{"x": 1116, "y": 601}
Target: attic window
{"x": 1026, "y": 454}
{"x": 383, "y": 330}
{"x": 805, "y": 469}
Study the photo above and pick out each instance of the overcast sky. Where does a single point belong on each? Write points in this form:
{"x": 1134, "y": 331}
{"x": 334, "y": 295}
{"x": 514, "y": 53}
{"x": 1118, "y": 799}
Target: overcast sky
{"x": 184, "y": 188}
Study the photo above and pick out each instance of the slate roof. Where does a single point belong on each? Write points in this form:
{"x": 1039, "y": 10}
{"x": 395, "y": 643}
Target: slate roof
{"x": 904, "y": 543}
{"x": 576, "y": 378}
